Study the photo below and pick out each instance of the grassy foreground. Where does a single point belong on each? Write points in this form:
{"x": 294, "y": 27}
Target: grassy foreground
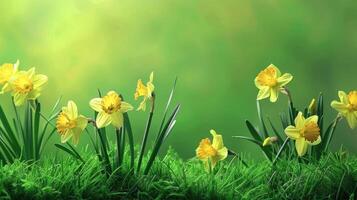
{"x": 333, "y": 177}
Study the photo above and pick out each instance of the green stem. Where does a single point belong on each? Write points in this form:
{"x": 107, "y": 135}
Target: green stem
{"x": 146, "y": 133}
{"x": 280, "y": 150}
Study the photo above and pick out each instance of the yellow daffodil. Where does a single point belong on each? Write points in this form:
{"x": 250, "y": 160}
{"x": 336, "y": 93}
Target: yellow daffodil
{"x": 7, "y": 71}
{"x": 211, "y": 153}
{"x": 144, "y": 90}
{"x": 269, "y": 141}
{"x": 305, "y": 132}
{"x": 110, "y": 110}
{"x": 69, "y": 124}
{"x": 270, "y": 81}
{"x": 347, "y": 107}
{"x": 26, "y": 85}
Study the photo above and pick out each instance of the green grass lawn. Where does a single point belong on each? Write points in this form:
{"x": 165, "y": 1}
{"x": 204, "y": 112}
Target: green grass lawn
{"x": 334, "y": 176}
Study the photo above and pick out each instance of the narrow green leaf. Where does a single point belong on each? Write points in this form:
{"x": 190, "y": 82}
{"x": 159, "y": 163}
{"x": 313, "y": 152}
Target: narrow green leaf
{"x": 75, "y": 152}
{"x": 161, "y": 136}
{"x": 10, "y": 133}
{"x": 253, "y": 131}
{"x": 248, "y": 139}
{"x": 65, "y": 149}
{"x": 281, "y": 150}
{"x": 168, "y": 105}
{"x": 277, "y": 134}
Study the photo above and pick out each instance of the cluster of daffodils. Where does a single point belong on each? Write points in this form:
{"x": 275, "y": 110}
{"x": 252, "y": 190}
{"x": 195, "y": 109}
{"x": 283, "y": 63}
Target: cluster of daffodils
{"x": 23, "y": 85}
{"x": 306, "y": 132}
{"x": 110, "y": 109}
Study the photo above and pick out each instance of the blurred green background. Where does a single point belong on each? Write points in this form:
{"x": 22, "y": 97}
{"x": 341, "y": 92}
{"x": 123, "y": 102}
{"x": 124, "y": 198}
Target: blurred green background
{"x": 216, "y": 48}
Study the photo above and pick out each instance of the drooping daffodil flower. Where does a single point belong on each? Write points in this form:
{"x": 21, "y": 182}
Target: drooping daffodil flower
{"x": 305, "y": 132}
{"x": 26, "y": 85}
{"x": 7, "y": 71}
{"x": 146, "y": 91}
{"x": 269, "y": 141}
{"x": 110, "y": 110}
{"x": 70, "y": 124}
{"x": 211, "y": 153}
{"x": 347, "y": 107}
{"x": 270, "y": 82}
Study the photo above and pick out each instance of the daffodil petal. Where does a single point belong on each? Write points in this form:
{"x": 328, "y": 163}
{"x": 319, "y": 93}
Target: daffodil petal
{"x": 142, "y": 105}
{"x": 277, "y": 71}
{"x": 301, "y": 146}
{"x": 292, "y": 132}
{"x": 96, "y": 104}
{"x": 39, "y": 80}
{"x": 217, "y": 141}
{"x": 312, "y": 119}
{"x": 222, "y": 153}
{"x": 274, "y": 93}
{"x": 71, "y": 110}
{"x": 343, "y": 97}
{"x": 19, "y": 99}
{"x": 103, "y": 119}
{"x": 284, "y": 79}
{"x": 125, "y": 107}
{"x": 340, "y": 107}
{"x": 76, "y": 133}
{"x": 82, "y": 122}
{"x": 30, "y": 73}
{"x": 117, "y": 119}
{"x": 299, "y": 121}
{"x": 263, "y": 93}
{"x": 66, "y": 136}
{"x": 351, "y": 119}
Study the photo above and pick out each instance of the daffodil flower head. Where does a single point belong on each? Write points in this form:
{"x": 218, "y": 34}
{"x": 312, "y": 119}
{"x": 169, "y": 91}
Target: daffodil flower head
{"x": 270, "y": 81}
{"x": 7, "y": 71}
{"x": 305, "y": 132}
{"x": 269, "y": 141}
{"x": 69, "y": 124}
{"x": 211, "y": 153}
{"x": 347, "y": 107}
{"x": 146, "y": 91}
{"x": 110, "y": 110}
{"x": 26, "y": 85}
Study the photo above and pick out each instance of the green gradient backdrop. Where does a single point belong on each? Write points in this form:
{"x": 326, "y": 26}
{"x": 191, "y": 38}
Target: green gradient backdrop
{"x": 215, "y": 48}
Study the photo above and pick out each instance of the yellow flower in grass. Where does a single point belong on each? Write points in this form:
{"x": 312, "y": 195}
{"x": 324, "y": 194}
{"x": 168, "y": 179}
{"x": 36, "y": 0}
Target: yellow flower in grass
{"x": 7, "y": 71}
{"x": 145, "y": 91}
{"x": 347, "y": 107}
{"x": 26, "y": 85}
{"x": 270, "y": 81}
{"x": 110, "y": 110}
{"x": 305, "y": 132}
{"x": 211, "y": 153}
{"x": 69, "y": 124}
